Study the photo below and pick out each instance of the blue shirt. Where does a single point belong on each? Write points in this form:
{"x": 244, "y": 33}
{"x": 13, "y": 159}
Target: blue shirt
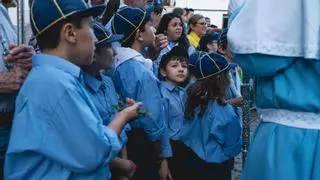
{"x": 57, "y": 132}
{"x": 174, "y": 105}
{"x": 133, "y": 80}
{"x": 215, "y": 137}
{"x": 284, "y": 82}
{"x": 105, "y": 98}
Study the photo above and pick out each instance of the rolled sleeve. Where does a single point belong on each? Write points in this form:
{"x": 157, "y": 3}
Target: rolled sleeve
{"x": 166, "y": 150}
{"x": 149, "y": 94}
{"x": 134, "y": 81}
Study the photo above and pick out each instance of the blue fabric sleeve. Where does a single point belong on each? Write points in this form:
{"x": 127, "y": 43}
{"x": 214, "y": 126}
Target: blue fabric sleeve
{"x": 166, "y": 149}
{"x": 76, "y": 137}
{"x": 149, "y": 93}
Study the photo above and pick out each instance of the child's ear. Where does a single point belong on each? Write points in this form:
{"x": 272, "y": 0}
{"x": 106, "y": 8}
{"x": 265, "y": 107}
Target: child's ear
{"x": 163, "y": 72}
{"x": 138, "y": 35}
{"x": 68, "y": 33}
{"x": 208, "y": 46}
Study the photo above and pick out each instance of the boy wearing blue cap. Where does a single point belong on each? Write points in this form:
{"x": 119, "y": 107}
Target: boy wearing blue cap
{"x": 211, "y": 132}
{"x": 133, "y": 78}
{"x": 57, "y": 132}
{"x": 103, "y": 94}
{"x": 174, "y": 70}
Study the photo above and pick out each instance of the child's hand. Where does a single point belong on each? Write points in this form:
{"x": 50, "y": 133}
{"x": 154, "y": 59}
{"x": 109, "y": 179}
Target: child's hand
{"x": 132, "y": 111}
{"x": 161, "y": 42}
{"x": 130, "y": 102}
{"x": 164, "y": 171}
{"x": 236, "y": 102}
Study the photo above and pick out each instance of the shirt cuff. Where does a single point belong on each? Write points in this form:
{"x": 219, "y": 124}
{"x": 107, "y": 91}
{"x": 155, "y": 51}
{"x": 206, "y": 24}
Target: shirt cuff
{"x": 114, "y": 143}
{"x": 156, "y": 135}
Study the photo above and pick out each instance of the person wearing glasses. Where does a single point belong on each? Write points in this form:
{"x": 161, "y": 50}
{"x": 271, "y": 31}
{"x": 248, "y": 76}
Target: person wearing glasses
{"x": 197, "y": 28}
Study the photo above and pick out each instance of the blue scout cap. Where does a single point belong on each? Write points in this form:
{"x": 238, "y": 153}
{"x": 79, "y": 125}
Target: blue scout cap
{"x": 223, "y": 37}
{"x": 103, "y": 36}
{"x": 194, "y": 58}
{"x": 128, "y": 20}
{"x": 46, "y": 13}
{"x": 210, "y": 64}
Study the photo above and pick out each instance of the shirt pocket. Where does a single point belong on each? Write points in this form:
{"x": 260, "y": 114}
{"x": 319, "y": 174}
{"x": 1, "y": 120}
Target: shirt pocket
{"x": 175, "y": 119}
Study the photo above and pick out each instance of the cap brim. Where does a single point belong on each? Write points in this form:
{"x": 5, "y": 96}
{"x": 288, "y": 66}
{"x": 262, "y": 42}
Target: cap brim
{"x": 91, "y": 12}
{"x": 110, "y": 40}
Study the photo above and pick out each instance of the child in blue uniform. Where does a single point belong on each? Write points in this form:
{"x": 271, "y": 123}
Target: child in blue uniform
{"x": 211, "y": 132}
{"x": 133, "y": 78}
{"x": 103, "y": 94}
{"x": 57, "y": 132}
{"x": 174, "y": 70}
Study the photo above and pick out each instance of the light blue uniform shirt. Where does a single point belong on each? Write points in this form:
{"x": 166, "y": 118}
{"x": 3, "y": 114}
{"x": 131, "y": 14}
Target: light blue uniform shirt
{"x": 8, "y": 32}
{"x": 174, "y": 104}
{"x": 105, "y": 98}
{"x": 216, "y": 137}
{"x": 133, "y": 80}
{"x": 57, "y": 132}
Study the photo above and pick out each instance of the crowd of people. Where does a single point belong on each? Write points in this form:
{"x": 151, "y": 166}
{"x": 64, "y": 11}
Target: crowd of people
{"x": 125, "y": 90}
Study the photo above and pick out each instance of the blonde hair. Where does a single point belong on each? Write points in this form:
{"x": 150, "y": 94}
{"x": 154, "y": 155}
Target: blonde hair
{"x": 193, "y": 21}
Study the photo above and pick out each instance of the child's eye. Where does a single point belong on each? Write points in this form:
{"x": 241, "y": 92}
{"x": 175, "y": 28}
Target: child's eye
{"x": 184, "y": 66}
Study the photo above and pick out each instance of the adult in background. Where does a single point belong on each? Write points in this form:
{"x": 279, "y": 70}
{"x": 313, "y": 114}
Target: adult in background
{"x": 197, "y": 28}
{"x": 189, "y": 13}
{"x": 12, "y": 78}
{"x": 156, "y": 14}
{"x": 182, "y": 13}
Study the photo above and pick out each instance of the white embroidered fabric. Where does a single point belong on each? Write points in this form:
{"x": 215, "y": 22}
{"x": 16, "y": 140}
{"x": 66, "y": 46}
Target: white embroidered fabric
{"x": 289, "y": 28}
{"x": 305, "y": 120}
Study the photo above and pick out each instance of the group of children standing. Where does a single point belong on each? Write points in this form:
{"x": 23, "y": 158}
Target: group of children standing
{"x": 83, "y": 114}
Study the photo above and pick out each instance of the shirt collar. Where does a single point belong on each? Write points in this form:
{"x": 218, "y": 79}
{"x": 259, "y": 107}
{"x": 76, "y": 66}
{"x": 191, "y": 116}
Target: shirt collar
{"x": 92, "y": 82}
{"x": 170, "y": 87}
{"x": 56, "y": 62}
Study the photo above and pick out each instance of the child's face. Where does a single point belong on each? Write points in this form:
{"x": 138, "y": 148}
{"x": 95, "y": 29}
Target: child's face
{"x": 148, "y": 35}
{"x": 213, "y": 46}
{"x": 85, "y": 42}
{"x": 104, "y": 57}
{"x": 174, "y": 29}
{"x": 175, "y": 72}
